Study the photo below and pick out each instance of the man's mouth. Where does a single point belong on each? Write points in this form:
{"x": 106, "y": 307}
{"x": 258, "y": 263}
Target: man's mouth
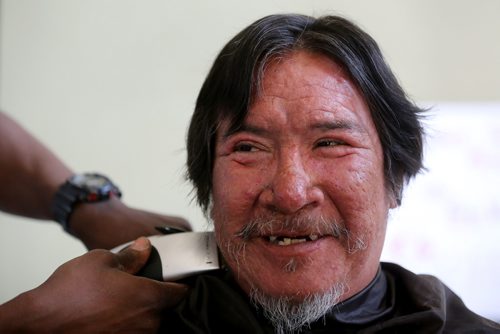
{"x": 285, "y": 241}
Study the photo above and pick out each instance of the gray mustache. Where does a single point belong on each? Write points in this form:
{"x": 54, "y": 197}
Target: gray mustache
{"x": 270, "y": 224}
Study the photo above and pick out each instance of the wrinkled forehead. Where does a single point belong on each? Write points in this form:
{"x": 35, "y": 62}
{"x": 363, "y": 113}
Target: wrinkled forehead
{"x": 303, "y": 66}
{"x": 313, "y": 79}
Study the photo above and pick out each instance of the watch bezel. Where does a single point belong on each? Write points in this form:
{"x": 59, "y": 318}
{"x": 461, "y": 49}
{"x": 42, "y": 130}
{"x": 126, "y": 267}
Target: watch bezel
{"x": 94, "y": 187}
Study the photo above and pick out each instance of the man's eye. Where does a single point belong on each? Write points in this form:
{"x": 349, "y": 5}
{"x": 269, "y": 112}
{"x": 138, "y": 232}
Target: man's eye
{"x": 329, "y": 143}
{"x": 245, "y": 147}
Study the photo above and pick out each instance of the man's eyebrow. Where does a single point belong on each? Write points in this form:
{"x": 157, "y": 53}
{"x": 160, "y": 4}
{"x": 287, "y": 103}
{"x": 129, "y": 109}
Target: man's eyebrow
{"x": 338, "y": 125}
{"x": 321, "y": 125}
{"x": 257, "y": 130}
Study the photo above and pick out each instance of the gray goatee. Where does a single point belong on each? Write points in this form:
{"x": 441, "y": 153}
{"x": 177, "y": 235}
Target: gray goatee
{"x": 288, "y": 316}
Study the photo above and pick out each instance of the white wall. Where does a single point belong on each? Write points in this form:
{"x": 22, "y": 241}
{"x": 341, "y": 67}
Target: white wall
{"x": 449, "y": 222}
{"x": 110, "y": 86}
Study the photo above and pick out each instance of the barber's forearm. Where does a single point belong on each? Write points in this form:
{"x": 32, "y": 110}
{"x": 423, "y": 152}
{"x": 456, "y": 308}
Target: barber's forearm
{"x": 31, "y": 174}
{"x": 104, "y": 224}
{"x": 29, "y": 171}
{"x": 110, "y": 223}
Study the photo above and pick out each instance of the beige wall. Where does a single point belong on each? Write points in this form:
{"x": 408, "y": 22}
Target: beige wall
{"x": 110, "y": 85}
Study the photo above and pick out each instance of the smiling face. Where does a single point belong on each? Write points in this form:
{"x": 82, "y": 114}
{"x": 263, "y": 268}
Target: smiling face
{"x": 299, "y": 199}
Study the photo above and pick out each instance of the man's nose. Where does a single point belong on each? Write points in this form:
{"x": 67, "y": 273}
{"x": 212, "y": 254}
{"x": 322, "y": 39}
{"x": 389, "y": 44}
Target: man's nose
{"x": 293, "y": 187}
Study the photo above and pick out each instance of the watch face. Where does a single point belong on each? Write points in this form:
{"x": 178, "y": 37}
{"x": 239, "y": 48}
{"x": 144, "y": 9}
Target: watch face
{"x": 91, "y": 182}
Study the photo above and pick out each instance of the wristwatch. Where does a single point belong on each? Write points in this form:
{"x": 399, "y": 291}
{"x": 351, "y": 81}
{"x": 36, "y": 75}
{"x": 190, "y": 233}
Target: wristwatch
{"x": 81, "y": 188}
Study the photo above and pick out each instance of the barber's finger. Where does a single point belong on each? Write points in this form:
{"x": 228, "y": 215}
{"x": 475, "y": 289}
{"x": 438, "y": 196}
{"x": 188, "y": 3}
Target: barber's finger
{"x": 171, "y": 293}
{"x": 135, "y": 256}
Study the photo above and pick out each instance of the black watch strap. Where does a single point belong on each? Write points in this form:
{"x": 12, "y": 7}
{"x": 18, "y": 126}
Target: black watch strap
{"x": 64, "y": 201}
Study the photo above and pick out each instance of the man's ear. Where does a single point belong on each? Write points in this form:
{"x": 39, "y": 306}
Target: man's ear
{"x": 394, "y": 203}
{"x": 208, "y": 213}
{"x": 394, "y": 199}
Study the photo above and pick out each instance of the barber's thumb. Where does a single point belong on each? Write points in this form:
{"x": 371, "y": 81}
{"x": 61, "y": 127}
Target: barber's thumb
{"x": 135, "y": 256}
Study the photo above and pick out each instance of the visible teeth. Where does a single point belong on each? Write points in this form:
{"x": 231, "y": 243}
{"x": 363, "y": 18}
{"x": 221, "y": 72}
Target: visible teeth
{"x": 284, "y": 241}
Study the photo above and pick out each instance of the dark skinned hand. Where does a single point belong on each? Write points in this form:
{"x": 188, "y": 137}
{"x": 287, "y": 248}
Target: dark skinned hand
{"x": 94, "y": 293}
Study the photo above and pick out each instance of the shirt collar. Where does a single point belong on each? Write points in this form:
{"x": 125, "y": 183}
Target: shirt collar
{"x": 370, "y": 304}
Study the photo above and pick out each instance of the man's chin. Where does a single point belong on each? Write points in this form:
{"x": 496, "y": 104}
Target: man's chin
{"x": 290, "y": 312}
{"x": 294, "y": 278}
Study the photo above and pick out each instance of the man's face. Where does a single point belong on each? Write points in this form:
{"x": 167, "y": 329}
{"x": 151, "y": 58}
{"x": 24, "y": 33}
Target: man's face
{"x": 299, "y": 197}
